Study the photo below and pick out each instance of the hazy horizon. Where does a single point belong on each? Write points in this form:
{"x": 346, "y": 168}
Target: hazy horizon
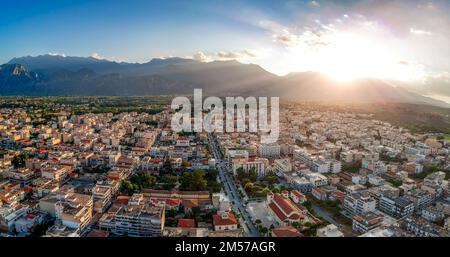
{"x": 400, "y": 42}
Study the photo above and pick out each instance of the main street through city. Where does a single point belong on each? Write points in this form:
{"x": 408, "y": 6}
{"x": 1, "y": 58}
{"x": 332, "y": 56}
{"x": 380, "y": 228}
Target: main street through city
{"x": 232, "y": 191}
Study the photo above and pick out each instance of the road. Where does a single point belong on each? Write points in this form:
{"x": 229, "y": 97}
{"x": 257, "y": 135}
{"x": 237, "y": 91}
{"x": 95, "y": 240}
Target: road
{"x": 232, "y": 191}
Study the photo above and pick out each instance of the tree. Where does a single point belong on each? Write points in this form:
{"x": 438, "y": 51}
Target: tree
{"x": 258, "y": 221}
{"x": 199, "y": 181}
{"x": 170, "y": 180}
{"x": 128, "y": 187}
{"x": 186, "y": 181}
{"x": 167, "y": 167}
{"x": 143, "y": 180}
{"x": 184, "y": 165}
{"x": 295, "y": 224}
{"x": 19, "y": 160}
{"x": 181, "y": 208}
{"x": 252, "y": 175}
{"x": 195, "y": 181}
{"x": 271, "y": 179}
{"x": 171, "y": 213}
{"x": 248, "y": 187}
{"x": 266, "y": 190}
{"x": 263, "y": 230}
{"x": 241, "y": 174}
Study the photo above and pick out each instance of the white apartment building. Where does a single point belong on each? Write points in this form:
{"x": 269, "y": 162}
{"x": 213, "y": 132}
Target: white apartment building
{"x": 259, "y": 164}
{"x": 359, "y": 203}
{"x": 317, "y": 179}
{"x": 102, "y": 197}
{"x": 282, "y": 165}
{"x": 269, "y": 150}
{"x": 140, "y": 218}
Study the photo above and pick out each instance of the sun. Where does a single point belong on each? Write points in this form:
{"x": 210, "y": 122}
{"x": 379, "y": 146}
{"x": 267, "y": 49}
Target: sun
{"x": 347, "y": 56}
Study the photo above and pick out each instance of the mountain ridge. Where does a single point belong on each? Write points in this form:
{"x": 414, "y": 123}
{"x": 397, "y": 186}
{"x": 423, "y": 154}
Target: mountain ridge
{"x": 71, "y": 75}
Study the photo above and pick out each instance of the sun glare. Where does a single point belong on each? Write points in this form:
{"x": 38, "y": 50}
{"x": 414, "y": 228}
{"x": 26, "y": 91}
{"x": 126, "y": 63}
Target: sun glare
{"x": 349, "y": 56}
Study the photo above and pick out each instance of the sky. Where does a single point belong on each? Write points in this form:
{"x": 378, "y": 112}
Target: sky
{"x": 406, "y": 41}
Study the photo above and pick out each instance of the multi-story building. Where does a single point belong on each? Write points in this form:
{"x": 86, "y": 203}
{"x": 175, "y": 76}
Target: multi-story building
{"x": 420, "y": 198}
{"x": 269, "y": 150}
{"x": 259, "y": 164}
{"x": 317, "y": 179}
{"x": 235, "y": 154}
{"x": 320, "y": 166}
{"x": 365, "y": 222}
{"x": 399, "y": 207}
{"x": 102, "y": 197}
{"x": 282, "y": 165}
{"x": 55, "y": 172}
{"x": 140, "y": 217}
{"x": 359, "y": 203}
{"x": 75, "y": 211}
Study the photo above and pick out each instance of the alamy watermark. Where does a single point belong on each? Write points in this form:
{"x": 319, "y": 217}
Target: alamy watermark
{"x": 209, "y": 115}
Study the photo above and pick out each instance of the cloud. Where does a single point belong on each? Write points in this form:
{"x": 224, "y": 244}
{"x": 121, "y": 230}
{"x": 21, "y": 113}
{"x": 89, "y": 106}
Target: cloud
{"x": 286, "y": 38}
{"x": 230, "y": 55}
{"x": 97, "y": 56}
{"x": 56, "y": 54}
{"x": 223, "y": 55}
{"x": 201, "y": 57}
{"x": 249, "y": 53}
{"x": 314, "y": 3}
{"x": 419, "y": 32}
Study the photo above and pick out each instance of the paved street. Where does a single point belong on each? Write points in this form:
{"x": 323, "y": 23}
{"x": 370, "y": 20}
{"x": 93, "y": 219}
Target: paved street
{"x": 232, "y": 191}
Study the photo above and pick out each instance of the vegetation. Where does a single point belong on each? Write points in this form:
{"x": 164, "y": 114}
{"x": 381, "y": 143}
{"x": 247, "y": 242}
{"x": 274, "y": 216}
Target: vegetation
{"x": 427, "y": 170}
{"x": 18, "y": 161}
{"x": 309, "y": 229}
{"x": 395, "y": 182}
{"x": 352, "y": 167}
{"x": 136, "y": 182}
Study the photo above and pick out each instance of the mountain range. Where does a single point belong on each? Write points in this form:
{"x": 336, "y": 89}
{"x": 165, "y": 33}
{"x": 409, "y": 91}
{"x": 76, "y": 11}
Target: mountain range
{"x": 45, "y": 75}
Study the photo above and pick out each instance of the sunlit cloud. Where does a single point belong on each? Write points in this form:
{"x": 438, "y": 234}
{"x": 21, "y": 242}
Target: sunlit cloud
{"x": 97, "y": 56}
{"x": 230, "y": 55}
{"x": 419, "y": 32}
{"x": 201, "y": 57}
{"x": 56, "y": 54}
{"x": 286, "y": 38}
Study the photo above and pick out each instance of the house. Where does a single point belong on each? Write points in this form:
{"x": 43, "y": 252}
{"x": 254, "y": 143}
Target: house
{"x": 225, "y": 221}
{"x": 337, "y": 195}
{"x": 319, "y": 194}
{"x": 286, "y": 232}
{"x": 186, "y": 223}
{"x": 297, "y": 197}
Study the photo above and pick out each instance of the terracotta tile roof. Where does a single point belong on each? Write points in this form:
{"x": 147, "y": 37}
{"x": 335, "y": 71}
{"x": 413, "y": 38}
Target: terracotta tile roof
{"x": 122, "y": 199}
{"x": 220, "y": 221}
{"x": 284, "y": 208}
{"x": 173, "y": 202}
{"x": 277, "y": 212}
{"x": 186, "y": 223}
{"x": 190, "y": 203}
{"x": 297, "y": 193}
{"x": 98, "y": 233}
{"x": 285, "y": 205}
{"x": 286, "y": 232}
